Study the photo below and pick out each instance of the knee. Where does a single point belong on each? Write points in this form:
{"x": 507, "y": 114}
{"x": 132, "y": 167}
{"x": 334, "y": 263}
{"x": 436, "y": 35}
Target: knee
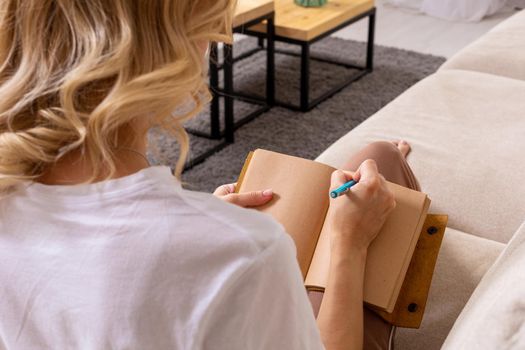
{"x": 382, "y": 151}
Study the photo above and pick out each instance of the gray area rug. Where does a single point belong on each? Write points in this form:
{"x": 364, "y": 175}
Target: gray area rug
{"x": 301, "y": 134}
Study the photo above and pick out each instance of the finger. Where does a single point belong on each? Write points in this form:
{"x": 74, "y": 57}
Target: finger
{"x": 349, "y": 175}
{"x": 224, "y": 190}
{"x": 357, "y": 174}
{"x": 368, "y": 170}
{"x": 250, "y": 199}
{"x": 340, "y": 177}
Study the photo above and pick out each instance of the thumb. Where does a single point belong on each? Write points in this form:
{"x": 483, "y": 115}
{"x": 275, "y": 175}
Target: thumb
{"x": 224, "y": 190}
{"x": 250, "y": 199}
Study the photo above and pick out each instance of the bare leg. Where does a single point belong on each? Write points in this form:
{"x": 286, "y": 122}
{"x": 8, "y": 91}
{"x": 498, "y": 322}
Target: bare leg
{"x": 391, "y": 162}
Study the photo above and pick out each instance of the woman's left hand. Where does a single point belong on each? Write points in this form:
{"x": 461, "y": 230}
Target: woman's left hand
{"x": 245, "y": 200}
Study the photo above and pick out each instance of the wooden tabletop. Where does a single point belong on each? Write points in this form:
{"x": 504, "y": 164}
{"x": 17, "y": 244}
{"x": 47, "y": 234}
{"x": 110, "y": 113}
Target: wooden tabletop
{"x": 306, "y": 23}
{"x": 248, "y": 10}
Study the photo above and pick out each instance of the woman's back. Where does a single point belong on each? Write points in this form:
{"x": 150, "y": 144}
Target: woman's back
{"x": 138, "y": 262}
{"x": 129, "y": 259}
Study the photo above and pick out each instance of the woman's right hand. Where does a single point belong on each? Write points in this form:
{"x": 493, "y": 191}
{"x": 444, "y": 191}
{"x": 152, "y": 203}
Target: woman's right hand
{"x": 356, "y": 217}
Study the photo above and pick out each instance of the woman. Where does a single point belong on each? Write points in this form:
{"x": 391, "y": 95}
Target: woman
{"x": 99, "y": 250}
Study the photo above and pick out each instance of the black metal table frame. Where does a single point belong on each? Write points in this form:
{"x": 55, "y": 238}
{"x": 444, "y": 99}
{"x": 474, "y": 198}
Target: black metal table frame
{"x": 228, "y": 93}
{"x": 305, "y": 103}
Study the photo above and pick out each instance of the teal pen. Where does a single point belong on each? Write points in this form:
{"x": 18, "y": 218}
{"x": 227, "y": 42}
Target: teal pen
{"x": 343, "y": 189}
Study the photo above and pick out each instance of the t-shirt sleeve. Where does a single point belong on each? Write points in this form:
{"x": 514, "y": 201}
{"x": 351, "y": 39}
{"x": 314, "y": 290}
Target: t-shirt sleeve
{"x": 266, "y": 307}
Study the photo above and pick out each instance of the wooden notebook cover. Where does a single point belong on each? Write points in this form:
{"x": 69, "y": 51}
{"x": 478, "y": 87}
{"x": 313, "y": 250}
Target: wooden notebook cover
{"x": 410, "y": 306}
{"x": 302, "y": 213}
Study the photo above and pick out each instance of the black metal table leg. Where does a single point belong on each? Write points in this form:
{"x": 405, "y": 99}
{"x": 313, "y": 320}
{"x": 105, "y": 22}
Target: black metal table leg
{"x": 260, "y": 42}
{"x": 215, "y": 132}
{"x": 305, "y": 76}
{"x": 270, "y": 66}
{"x": 370, "y": 45}
{"x": 229, "y": 126}
{"x": 230, "y": 95}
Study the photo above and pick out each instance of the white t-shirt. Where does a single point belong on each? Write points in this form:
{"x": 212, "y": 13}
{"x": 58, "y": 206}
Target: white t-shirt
{"x": 140, "y": 263}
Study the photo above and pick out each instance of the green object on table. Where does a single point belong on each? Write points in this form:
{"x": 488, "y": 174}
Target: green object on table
{"x": 311, "y": 3}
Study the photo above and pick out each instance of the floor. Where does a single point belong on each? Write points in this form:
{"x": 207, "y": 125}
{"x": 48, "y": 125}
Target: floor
{"x": 417, "y": 32}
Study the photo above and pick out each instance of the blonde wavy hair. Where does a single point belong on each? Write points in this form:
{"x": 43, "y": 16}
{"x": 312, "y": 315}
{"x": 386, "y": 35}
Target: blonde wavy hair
{"x": 73, "y": 73}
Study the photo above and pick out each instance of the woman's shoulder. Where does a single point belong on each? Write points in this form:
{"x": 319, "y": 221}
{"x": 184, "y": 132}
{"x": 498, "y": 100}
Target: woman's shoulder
{"x": 223, "y": 220}
{"x": 151, "y": 201}
{"x": 194, "y": 218}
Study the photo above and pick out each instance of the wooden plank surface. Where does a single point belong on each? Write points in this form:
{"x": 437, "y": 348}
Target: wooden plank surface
{"x": 306, "y": 23}
{"x": 248, "y": 10}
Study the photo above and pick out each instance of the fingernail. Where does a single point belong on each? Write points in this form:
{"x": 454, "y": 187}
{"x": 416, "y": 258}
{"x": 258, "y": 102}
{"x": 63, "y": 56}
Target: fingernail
{"x": 267, "y": 193}
{"x": 403, "y": 142}
{"x": 232, "y": 188}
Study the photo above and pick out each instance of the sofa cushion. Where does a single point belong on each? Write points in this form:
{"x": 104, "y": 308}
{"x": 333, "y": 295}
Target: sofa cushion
{"x": 494, "y": 317}
{"x": 462, "y": 262}
{"x": 467, "y": 131}
{"x": 501, "y": 51}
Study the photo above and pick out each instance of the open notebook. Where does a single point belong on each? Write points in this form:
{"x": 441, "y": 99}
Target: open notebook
{"x": 301, "y": 200}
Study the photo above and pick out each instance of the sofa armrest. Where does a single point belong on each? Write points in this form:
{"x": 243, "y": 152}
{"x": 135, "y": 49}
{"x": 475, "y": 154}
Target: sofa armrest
{"x": 494, "y": 317}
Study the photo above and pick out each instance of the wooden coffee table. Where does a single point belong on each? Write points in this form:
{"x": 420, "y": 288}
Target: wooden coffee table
{"x": 251, "y": 10}
{"x": 304, "y": 26}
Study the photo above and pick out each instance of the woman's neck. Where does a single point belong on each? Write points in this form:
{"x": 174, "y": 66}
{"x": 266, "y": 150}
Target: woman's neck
{"x": 75, "y": 168}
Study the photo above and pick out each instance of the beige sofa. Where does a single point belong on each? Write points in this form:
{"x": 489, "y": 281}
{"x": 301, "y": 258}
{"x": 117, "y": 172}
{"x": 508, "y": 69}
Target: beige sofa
{"x": 466, "y": 124}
